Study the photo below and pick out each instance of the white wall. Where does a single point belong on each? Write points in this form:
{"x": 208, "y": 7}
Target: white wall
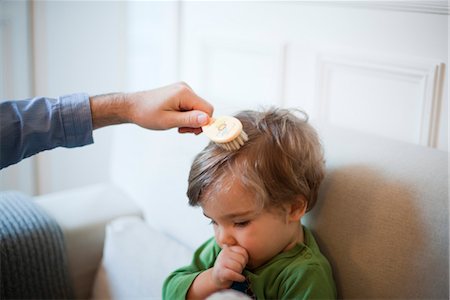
{"x": 370, "y": 68}
{"x": 79, "y": 47}
{"x": 373, "y": 66}
{"x": 16, "y": 81}
{"x": 378, "y": 67}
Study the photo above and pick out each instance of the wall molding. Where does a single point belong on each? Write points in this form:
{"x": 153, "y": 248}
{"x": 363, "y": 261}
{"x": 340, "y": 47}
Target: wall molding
{"x": 428, "y": 75}
{"x": 425, "y": 7}
{"x": 437, "y": 87}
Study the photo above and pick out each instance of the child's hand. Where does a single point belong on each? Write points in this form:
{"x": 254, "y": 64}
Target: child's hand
{"x": 229, "y": 265}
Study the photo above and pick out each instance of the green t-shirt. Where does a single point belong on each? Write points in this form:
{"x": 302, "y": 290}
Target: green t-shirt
{"x": 299, "y": 273}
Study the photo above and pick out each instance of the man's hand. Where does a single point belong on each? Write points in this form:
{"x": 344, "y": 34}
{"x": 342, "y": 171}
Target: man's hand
{"x": 171, "y": 106}
{"x": 229, "y": 265}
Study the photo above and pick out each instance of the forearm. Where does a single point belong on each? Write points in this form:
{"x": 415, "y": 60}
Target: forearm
{"x": 33, "y": 125}
{"x": 109, "y": 109}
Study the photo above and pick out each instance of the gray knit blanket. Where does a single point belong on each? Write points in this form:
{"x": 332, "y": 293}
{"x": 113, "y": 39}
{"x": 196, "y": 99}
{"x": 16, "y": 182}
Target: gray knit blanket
{"x": 33, "y": 262}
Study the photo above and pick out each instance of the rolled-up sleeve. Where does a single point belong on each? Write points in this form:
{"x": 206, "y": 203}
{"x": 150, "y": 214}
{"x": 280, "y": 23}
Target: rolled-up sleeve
{"x": 34, "y": 125}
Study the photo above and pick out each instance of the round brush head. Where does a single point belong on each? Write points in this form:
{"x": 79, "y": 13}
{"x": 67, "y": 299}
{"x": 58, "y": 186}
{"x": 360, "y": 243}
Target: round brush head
{"x": 226, "y": 132}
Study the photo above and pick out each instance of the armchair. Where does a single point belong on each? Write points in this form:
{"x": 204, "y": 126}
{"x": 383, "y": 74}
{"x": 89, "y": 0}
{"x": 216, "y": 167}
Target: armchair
{"x": 381, "y": 219}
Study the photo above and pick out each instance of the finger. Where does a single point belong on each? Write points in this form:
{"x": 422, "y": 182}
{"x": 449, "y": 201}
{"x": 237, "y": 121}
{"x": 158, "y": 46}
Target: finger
{"x": 192, "y": 119}
{"x": 195, "y": 118}
{"x": 205, "y": 106}
{"x": 233, "y": 276}
{"x": 234, "y": 265}
{"x": 185, "y": 84}
{"x": 194, "y": 102}
{"x": 230, "y": 259}
{"x": 241, "y": 251}
{"x": 236, "y": 251}
{"x": 233, "y": 260}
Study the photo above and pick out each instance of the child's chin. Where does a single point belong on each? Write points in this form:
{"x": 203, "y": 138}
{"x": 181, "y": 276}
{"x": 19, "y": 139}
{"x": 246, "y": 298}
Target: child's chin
{"x": 252, "y": 265}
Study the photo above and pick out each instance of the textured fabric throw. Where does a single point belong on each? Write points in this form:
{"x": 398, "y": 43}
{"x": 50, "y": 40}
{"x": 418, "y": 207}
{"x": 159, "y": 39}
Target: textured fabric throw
{"x": 33, "y": 263}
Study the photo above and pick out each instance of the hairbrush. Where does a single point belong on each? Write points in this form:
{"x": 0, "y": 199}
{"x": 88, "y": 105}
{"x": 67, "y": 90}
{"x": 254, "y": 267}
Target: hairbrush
{"x": 226, "y": 132}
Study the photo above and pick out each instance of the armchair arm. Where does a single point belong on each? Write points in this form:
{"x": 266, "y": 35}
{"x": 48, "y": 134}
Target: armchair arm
{"x": 82, "y": 215}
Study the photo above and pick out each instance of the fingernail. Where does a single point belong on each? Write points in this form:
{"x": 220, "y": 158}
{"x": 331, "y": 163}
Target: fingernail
{"x": 202, "y": 119}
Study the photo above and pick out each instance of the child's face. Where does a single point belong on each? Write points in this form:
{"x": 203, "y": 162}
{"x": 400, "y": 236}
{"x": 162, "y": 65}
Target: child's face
{"x": 238, "y": 220}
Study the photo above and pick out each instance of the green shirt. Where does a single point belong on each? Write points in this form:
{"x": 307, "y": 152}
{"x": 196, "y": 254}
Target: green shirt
{"x": 299, "y": 273}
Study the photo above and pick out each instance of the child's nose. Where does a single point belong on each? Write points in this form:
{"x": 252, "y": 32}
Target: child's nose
{"x": 224, "y": 237}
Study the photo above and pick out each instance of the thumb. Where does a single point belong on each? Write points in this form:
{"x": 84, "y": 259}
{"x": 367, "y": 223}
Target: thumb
{"x": 193, "y": 119}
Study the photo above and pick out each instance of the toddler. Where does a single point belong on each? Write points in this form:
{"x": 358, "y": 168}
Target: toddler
{"x": 255, "y": 198}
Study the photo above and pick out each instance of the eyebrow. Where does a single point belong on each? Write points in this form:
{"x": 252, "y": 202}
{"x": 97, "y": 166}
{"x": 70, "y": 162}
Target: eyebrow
{"x": 233, "y": 215}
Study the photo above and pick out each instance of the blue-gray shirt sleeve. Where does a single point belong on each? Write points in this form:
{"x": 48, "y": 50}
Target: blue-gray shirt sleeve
{"x": 33, "y": 125}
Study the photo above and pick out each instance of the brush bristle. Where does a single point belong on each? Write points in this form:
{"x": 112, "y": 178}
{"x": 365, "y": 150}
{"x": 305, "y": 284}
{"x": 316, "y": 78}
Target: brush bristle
{"x": 235, "y": 144}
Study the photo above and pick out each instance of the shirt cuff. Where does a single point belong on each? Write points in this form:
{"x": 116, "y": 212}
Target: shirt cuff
{"x": 76, "y": 119}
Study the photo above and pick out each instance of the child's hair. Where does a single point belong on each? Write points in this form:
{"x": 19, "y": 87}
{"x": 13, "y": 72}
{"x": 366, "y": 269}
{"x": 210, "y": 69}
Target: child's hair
{"x": 281, "y": 160}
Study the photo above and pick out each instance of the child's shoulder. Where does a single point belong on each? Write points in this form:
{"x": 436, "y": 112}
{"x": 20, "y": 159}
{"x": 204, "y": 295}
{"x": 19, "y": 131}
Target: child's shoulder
{"x": 303, "y": 258}
{"x": 309, "y": 264}
{"x": 310, "y": 252}
{"x": 291, "y": 274}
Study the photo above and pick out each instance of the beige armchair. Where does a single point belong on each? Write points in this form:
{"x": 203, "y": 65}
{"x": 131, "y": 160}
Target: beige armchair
{"x": 382, "y": 220}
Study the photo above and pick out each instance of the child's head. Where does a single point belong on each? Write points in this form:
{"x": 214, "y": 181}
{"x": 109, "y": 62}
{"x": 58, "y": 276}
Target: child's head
{"x": 281, "y": 162}
{"x": 256, "y": 196}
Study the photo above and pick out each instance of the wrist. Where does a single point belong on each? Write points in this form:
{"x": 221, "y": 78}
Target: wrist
{"x": 203, "y": 286}
{"x": 109, "y": 109}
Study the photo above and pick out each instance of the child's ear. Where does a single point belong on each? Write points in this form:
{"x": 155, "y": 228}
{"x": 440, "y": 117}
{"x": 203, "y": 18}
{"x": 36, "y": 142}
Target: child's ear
{"x": 297, "y": 209}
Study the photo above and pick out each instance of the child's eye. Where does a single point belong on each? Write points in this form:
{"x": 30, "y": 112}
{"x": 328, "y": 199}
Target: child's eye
{"x": 212, "y": 222}
{"x": 241, "y": 224}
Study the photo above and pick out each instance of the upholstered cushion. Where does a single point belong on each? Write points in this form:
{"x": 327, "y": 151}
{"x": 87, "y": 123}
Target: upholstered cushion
{"x": 136, "y": 261}
{"x": 83, "y": 214}
{"x": 382, "y": 217}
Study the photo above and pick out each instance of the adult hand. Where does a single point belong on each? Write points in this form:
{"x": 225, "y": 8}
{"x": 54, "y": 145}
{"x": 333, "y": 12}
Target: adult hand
{"x": 175, "y": 105}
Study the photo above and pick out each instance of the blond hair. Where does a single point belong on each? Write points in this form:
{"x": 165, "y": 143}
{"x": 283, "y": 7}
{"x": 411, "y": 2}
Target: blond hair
{"x": 282, "y": 159}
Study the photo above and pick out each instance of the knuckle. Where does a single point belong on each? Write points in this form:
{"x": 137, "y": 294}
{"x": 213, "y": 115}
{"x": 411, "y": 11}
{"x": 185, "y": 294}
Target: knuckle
{"x": 191, "y": 119}
{"x": 182, "y": 87}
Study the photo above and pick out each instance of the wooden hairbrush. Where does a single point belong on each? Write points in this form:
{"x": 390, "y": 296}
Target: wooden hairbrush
{"x": 226, "y": 132}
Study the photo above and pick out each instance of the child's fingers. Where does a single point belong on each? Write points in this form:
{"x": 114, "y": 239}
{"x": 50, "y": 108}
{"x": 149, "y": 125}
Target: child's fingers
{"x": 234, "y": 265}
{"x": 226, "y": 271}
{"x": 236, "y": 254}
{"x": 233, "y": 276}
{"x": 240, "y": 250}
{"x": 231, "y": 260}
